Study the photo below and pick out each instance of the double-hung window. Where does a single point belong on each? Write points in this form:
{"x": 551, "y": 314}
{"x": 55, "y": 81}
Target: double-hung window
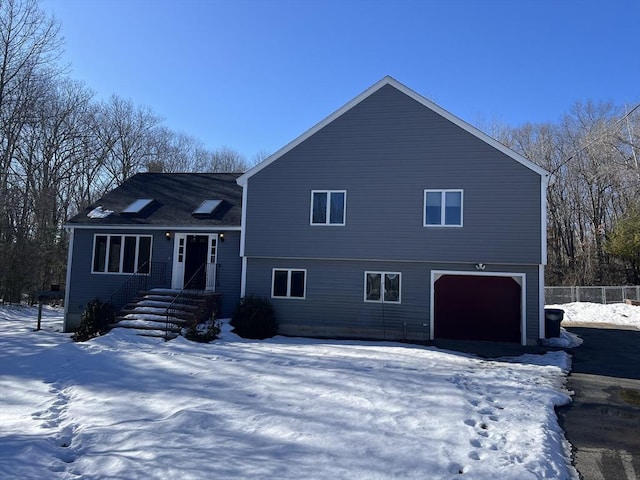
{"x": 328, "y": 207}
{"x": 443, "y": 208}
{"x": 121, "y": 254}
{"x": 382, "y": 287}
{"x": 288, "y": 283}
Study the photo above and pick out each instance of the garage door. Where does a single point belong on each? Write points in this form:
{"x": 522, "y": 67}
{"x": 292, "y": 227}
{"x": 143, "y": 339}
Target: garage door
{"x": 477, "y": 307}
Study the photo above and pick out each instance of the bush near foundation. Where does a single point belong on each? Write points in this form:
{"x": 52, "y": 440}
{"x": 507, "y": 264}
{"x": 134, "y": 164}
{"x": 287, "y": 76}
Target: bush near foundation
{"x": 94, "y": 321}
{"x": 254, "y": 317}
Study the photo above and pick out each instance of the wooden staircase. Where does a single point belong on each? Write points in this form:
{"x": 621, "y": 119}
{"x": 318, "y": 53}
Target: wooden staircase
{"x": 157, "y": 313}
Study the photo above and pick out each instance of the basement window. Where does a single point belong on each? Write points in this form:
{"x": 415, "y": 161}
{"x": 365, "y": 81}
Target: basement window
{"x": 382, "y": 287}
{"x": 288, "y": 283}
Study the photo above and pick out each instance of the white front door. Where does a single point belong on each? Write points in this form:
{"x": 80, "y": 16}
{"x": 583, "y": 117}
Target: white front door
{"x": 195, "y": 261}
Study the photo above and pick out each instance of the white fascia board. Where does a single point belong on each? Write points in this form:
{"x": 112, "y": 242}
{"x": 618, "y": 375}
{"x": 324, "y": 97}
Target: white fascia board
{"x": 468, "y": 127}
{"x": 190, "y": 228}
{"x": 542, "y": 327}
{"x": 242, "y": 180}
{"x": 544, "y": 186}
{"x": 243, "y": 221}
{"x": 67, "y": 288}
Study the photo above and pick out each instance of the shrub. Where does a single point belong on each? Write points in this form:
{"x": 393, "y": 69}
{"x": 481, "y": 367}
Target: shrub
{"x": 203, "y": 332}
{"x": 94, "y": 321}
{"x": 254, "y": 317}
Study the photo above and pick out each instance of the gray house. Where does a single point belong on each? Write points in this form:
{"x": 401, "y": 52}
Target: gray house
{"x": 162, "y": 230}
{"x": 390, "y": 219}
{"x": 393, "y": 219}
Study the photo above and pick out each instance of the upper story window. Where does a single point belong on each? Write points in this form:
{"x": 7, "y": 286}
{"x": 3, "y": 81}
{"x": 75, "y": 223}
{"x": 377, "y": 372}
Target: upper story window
{"x": 121, "y": 254}
{"x": 443, "y": 208}
{"x": 288, "y": 283}
{"x": 382, "y": 287}
{"x": 328, "y": 207}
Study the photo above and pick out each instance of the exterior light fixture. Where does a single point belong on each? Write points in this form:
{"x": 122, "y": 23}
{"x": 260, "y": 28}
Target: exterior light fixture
{"x": 480, "y": 267}
{"x": 167, "y": 235}
{"x": 221, "y": 237}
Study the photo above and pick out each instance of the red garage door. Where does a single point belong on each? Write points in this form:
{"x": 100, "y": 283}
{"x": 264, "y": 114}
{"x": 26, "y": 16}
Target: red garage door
{"x": 477, "y": 307}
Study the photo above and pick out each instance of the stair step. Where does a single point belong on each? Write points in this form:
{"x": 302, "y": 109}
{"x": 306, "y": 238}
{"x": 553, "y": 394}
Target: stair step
{"x": 184, "y": 293}
{"x": 158, "y": 320}
{"x": 146, "y": 302}
{"x": 146, "y": 325}
{"x": 145, "y": 312}
{"x": 168, "y": 336}
{"x": 149, "y": 316}
{"x": 154, "y": 333}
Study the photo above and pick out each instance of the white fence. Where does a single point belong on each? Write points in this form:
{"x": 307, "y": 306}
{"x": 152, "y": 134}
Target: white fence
{"x": 554, "y": 295}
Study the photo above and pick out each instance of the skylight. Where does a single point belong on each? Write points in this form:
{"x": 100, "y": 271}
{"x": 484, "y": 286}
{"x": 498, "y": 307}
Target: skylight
{"x": 207, "y": 207}
{"x": 138, "y": 205}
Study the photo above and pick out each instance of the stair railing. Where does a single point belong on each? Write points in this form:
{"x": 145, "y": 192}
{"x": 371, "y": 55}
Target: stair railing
{"x": 139, "y": 280}
{"x": 181, "y": 298}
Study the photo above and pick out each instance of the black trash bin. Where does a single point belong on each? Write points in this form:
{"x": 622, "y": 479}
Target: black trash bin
{"x": 552, "y": 319}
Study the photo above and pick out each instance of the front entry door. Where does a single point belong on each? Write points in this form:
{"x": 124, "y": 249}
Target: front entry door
{"x": 195, "y": 271}
{"x": 195, "y": 261}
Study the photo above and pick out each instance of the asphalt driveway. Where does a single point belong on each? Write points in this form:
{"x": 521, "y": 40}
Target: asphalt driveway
{"x": 603, "y": 421}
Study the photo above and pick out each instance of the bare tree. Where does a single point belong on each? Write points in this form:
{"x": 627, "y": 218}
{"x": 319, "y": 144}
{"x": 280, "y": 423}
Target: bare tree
{"x": 29, "y": 48}
{"x": 593, "y": 183}
{"x": 173, "y": 152}
{"x": 223, "y": 159}
{"x": 130, "y": 132}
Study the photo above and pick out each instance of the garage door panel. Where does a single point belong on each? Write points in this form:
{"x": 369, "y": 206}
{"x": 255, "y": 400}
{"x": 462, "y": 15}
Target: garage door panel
{"x": 469, "y": 307}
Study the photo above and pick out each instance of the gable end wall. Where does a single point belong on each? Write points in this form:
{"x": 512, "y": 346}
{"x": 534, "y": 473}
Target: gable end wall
{"x": 385, "y": 152}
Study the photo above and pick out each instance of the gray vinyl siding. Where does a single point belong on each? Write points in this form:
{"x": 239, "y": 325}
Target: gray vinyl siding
{"x": 229, "y": 269}
{"x": 229, "y": 272}
{"x": 334, "y": 305}
{"x": 86, "y": 285}
{"x": 385, "y": 152}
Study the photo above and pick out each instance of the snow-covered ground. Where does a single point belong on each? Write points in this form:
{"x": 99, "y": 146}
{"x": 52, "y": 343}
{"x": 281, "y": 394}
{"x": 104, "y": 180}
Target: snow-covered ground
{"x": 128, "y": 407}
{"x": 595, "y": 313}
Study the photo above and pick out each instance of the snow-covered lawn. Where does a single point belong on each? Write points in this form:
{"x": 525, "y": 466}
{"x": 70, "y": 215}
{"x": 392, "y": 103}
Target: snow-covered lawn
{"x": 595, "y": 313}
{"x": 129, "y": 407}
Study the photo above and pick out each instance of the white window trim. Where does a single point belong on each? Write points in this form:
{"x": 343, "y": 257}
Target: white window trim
{"x": 382, "y": 283}
{"x": 106, "y": 259}
{"x": 328, "y": 213}
{"x": 289, "y": 271}
{"x": 443, "y": 206}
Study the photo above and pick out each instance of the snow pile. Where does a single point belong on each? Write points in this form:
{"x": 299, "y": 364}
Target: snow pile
{"x": 565, "y": 340}
{"x": 123, "y": 406}
{"x": 99, "y": 212}
{"x": 612, "y": 314}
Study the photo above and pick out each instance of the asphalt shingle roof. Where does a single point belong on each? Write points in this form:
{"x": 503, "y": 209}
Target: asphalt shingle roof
{"x": 176, "y": 196}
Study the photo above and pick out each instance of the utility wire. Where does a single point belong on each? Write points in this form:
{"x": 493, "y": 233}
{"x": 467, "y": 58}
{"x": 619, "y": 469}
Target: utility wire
{"x": 633, "y": 150}
{"x": 618, "y": 122}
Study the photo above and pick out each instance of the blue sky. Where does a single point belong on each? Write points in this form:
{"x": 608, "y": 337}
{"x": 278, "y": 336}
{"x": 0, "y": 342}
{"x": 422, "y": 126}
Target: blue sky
{"x": 254, "y": 74}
